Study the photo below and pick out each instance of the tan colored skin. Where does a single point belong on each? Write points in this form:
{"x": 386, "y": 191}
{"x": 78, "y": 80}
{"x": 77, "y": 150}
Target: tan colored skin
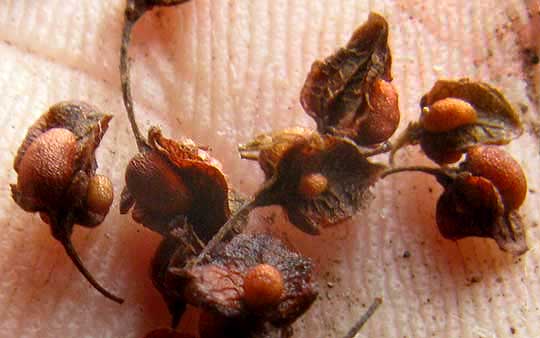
{"x": 46, "y": 168}
{"x": 502, "y": 170}
{"x": 100, "y": 194}
{"x": 312, "y": 185}
{"x": 263, "y": 286}
{"x": 447, "y": 114}
{"x": 383, "y": 118}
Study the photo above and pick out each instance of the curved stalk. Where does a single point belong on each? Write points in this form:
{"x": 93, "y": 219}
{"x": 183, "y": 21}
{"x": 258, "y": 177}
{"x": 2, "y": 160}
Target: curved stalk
{"x": 427, "y": 170}
{"x": 131, "y": 17}
{"x": 70, "y": 250}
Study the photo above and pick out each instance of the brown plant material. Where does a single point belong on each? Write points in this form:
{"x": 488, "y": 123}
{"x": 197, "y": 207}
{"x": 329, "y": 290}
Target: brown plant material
{"x": 349, "y": 93}
{"x": 217, "y": 284}
{"x": 338, "y": 177}
{"x": 472, "y": 206}
{"x": 455, "y": 103}
{"x": 56, "y": 169}
{"x": 169, "y": 181}
{"x": 364, "y": 318}
{"x": 268, "y": 149}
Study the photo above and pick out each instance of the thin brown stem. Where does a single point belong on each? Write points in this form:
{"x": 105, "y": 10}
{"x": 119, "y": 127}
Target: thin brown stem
{"x": 365, "y": 317}
{"x": 381, "y": 149}
{"x": 70, "y": 250}
{"x": 235, "y": 225}
{"x": 130, "y": 20}
{"x": 428, "y": 170}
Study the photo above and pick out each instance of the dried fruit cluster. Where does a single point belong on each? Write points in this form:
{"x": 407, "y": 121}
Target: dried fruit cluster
{"x": 483, "y": 193}
{"x": 252, "y": 285}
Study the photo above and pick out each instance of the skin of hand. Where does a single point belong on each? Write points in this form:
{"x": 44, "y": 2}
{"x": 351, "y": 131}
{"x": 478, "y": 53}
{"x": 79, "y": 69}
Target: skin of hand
{"x": 222, "y": 71}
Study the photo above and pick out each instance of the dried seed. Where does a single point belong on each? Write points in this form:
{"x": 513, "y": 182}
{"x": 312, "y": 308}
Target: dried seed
{"x": 263, "y": 286}
{"x": 47, "y": 167}
{"x": 312, "y": 185}
{"x": 447, "y": 114}
{"x": 100, "y": 194}
{"x": 383, "y": 115}
{"x": 502, "y": 170}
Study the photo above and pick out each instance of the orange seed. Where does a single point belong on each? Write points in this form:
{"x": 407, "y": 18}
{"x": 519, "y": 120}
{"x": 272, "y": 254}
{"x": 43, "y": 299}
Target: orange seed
{"x": 263, "y": 286}
{"x": 447, "y": 114}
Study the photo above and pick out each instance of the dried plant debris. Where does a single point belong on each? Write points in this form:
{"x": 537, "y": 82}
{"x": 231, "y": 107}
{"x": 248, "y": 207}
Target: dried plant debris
{"x": 457, "y": 115}
{"x": 322, "y": 178}
{"x": 56, "y": 169}
{"x": 319, "y": 180}
{"x": 481, "y": 198}
{"x": 364, "y": 318}
{"x": 252, "y": 280}
{"x": 170, "y": 183}
{"x": 134, "y": 10}
{"x": 349, "y": 93}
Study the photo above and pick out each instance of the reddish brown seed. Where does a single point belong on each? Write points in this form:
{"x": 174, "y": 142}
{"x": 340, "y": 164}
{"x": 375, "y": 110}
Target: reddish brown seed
{"x": 99, "y": 195}
{"x": 46, "y": 168}
{"x": 447, "y": 114}
{"x": 263, "y": 286}
{"x": 383, "y": 117}
{"x": 502, "y": 170}
{"x": 155, "y": 185}
{"x": 312, "y": 185}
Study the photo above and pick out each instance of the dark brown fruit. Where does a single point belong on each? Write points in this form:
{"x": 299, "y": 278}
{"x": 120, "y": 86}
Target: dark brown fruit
{"x": 263, "y": 286}
{"x": 502, "y": 170}
{"x": 155, "y": 185}
{"x": 468, "y": 209}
